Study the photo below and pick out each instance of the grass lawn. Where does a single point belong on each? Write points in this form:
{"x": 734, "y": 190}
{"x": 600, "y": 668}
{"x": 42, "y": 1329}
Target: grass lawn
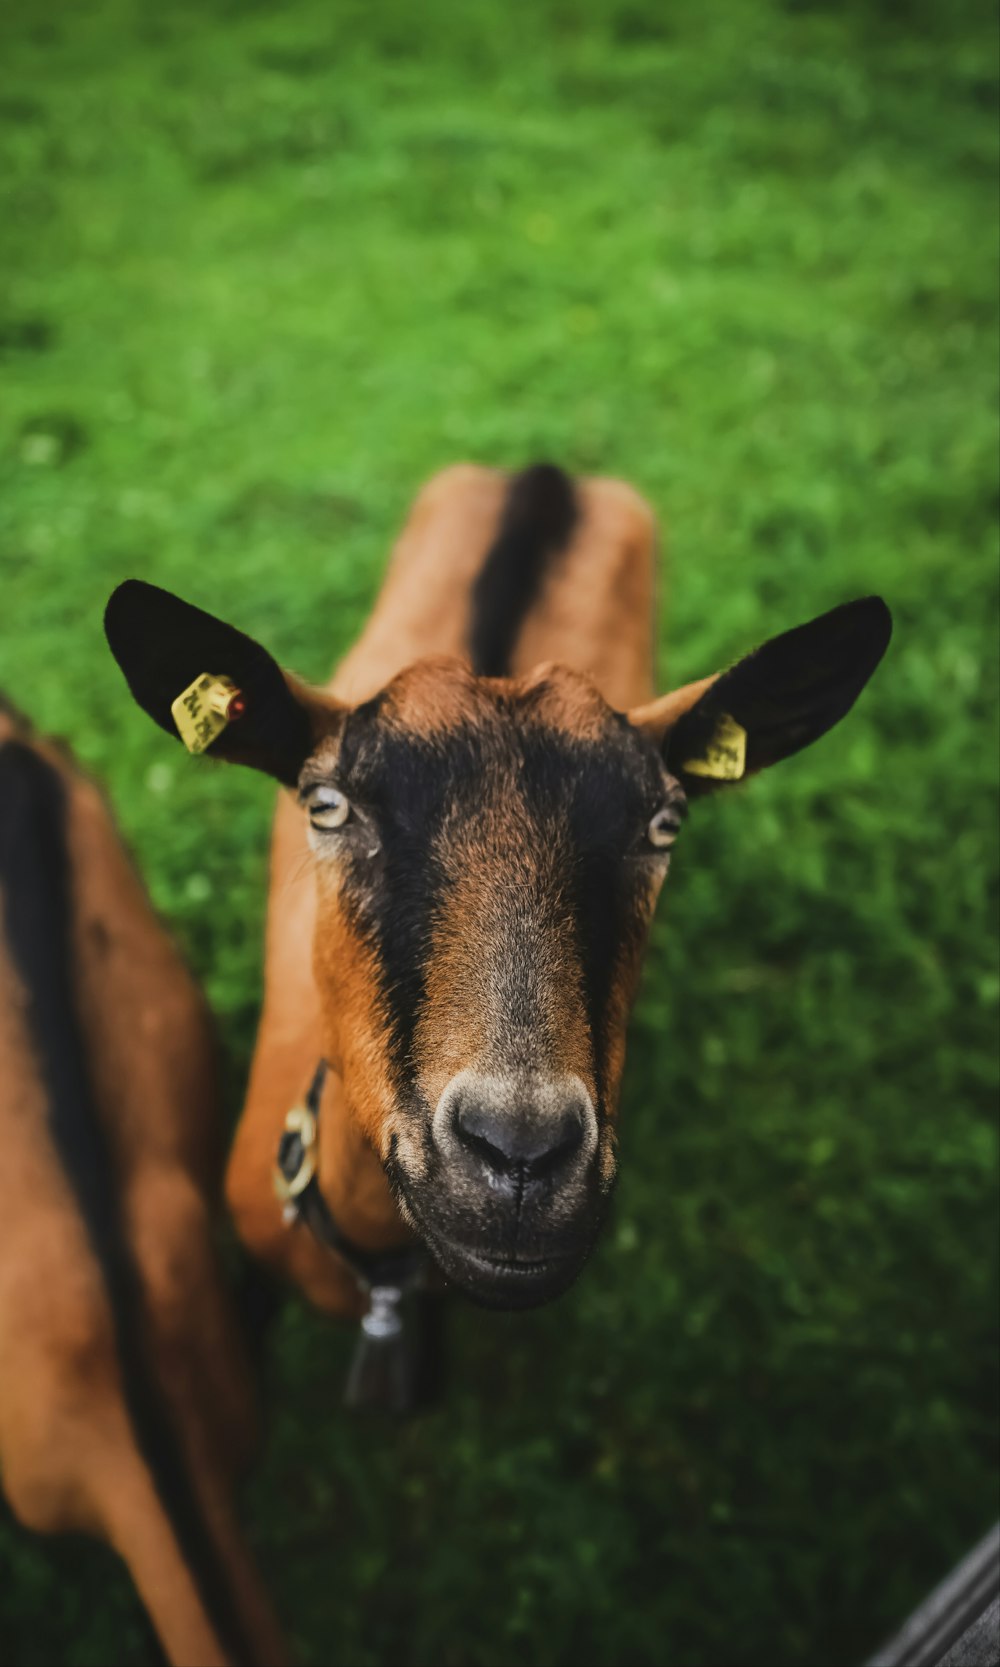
{"x": 264, "y": 269}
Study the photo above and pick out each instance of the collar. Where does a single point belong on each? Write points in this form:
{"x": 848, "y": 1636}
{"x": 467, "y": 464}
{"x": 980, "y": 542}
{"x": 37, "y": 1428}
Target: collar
{"x": 391, "y": 1367}
{"x": 295, "y": 1182}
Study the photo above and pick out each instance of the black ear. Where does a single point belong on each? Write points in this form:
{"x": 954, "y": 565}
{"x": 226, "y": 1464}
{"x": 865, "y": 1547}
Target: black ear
{"x": 787, "y": 693}
{"x": 163, "y": 645}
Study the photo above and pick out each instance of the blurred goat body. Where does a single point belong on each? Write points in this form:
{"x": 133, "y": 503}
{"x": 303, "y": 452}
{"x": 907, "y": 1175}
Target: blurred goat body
{"x": 125, "y": 1410}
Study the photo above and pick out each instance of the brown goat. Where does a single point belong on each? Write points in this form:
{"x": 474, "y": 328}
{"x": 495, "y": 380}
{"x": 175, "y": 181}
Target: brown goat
{"x": 486, "y": 795}
{"x": 124, "y": 1403}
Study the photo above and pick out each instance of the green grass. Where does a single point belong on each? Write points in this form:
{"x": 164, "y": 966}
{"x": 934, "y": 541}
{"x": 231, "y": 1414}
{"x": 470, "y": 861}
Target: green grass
{"x": 264, "y": 269}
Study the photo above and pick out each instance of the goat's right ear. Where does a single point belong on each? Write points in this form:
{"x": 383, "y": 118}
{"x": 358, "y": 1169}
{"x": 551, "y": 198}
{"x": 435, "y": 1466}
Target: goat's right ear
{"x": 165, "y": 646}
{"x": 773, "y": 702}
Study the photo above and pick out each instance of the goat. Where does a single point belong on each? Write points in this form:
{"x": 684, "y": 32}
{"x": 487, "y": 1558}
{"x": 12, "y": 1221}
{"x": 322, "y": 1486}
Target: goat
{"x": 487, "y": 794}
{"x": 124, "y": 1406}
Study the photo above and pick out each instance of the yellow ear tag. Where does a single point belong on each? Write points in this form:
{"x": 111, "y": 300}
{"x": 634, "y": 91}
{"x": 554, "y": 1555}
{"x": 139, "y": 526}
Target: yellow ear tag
{"x": 204, "y": 709}
{"x": 725, "y": 756}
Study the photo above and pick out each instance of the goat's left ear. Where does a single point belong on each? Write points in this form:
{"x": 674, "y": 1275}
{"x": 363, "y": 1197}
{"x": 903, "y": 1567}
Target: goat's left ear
{"x": 185, "y": 667}
{"x": 786, "y": 694}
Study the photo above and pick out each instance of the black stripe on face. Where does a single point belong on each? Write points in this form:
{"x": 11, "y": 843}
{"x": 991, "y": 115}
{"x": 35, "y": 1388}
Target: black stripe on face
{"x": 595, "y": 798}
{"x": 36, "y": 881}
{"x": 407, "y": 786}
{"x": 537, "y": 521}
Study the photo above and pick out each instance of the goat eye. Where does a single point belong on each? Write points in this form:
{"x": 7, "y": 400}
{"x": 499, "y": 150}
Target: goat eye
{"x": 664, "y": 828}
{"x": 328, "y": 809}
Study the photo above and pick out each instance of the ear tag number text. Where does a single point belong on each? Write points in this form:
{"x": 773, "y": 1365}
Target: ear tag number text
{"x": 725, "y": 756}
{"x": 204, "y": 709}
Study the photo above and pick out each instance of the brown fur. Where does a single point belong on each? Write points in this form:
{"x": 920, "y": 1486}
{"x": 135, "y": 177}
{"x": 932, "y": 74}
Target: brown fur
{"x": 69, "y": 1456}
{"x": 594, "y": 614}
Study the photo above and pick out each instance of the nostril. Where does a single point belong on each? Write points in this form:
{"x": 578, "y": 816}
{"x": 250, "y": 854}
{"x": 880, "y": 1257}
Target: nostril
{"x": 474, "y": 1130}
{"x": 525, "y": 1139}
{"x": 567, "y": 1142}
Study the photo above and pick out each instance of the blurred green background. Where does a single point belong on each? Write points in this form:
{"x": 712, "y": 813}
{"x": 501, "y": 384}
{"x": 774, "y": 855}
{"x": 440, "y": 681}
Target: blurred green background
{"x": 264, "y": 269}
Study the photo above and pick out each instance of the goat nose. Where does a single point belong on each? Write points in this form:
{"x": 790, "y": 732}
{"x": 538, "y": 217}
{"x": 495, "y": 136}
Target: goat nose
{"x": 508, "y": 1141}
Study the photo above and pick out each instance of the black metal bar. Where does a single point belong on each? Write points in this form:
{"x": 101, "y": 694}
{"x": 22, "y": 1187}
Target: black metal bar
{"x": 958, "y": 1625}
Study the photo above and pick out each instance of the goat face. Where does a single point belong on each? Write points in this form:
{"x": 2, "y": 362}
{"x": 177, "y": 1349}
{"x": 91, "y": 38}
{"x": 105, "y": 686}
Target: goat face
{"x": 488, "y": 855}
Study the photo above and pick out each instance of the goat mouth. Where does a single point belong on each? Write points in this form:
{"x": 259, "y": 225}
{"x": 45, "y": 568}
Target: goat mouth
{"x": 516, "y": 1266}
{"x": 503, "y": 1280}
{"x": 496, "y": 1278}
